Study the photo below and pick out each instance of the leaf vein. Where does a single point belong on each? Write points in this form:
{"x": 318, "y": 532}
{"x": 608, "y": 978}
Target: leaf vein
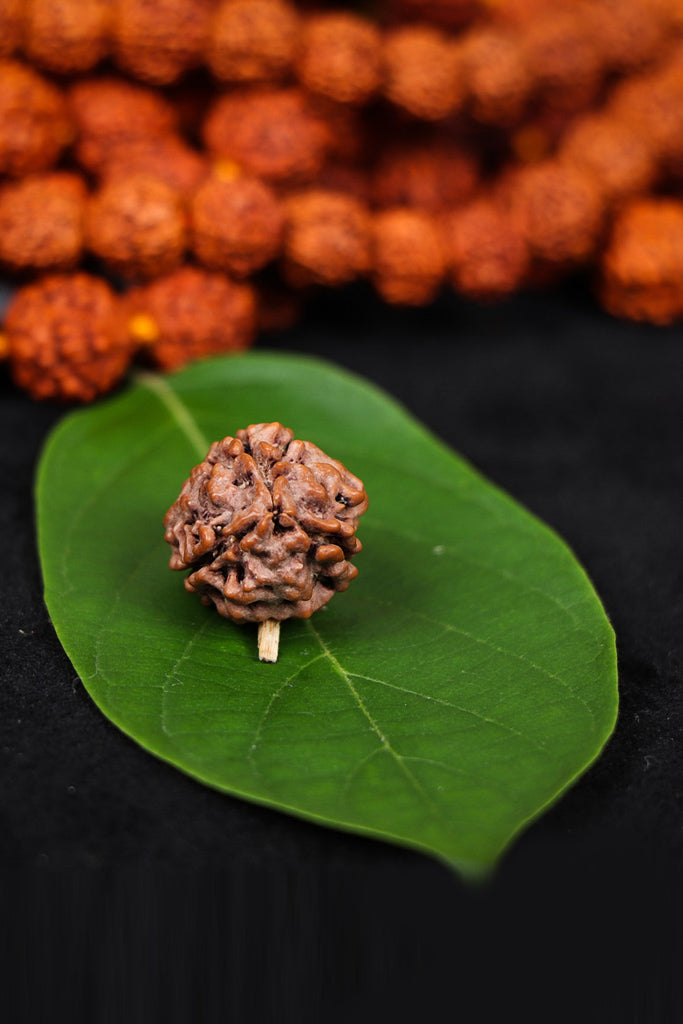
{"x": 485, "y": 642}
{"x": 384, "y": 740}
{"x": 456, "y": 707}
{"x": 256, "y": 738}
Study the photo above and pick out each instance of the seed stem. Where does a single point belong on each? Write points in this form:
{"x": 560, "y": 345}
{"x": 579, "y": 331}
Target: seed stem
{"x": 268, "y": 640}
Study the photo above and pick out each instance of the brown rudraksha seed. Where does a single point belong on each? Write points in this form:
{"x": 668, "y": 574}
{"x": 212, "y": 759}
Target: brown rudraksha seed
{"x": 34, "y": 123}
{"x": 564, "y": 57}
{"x": 408, "y": 256}
{"x": 267, "y": 525}
{"x": 327, "y": 238}
{"x": 422, "y": 72}
{"x": 487, "y": 255}
{"x": 67, "y": 338}
{"x": 651, "y": 103}
{"x": 629, "y": 33}
{"x": 252, "y": 40}
{"x": 272, "y": 133}
{"x": 167, "y": 158}
{"x": 66, "y": 37}
{"x": 41, "y": 222}
{"x": 340, "y": 57}
{"x": 641, "y": 268}
{"x": 157, "y": 40}
{"x": 136, "y": 226}
{"x": 110, "y": 112}
{"x": 498, "y": 79}
{"x": 235, "y": 224}
{"x": 558, "y": 208}
{"x": 615, "y": 152}
{"x": 190, "y": 314}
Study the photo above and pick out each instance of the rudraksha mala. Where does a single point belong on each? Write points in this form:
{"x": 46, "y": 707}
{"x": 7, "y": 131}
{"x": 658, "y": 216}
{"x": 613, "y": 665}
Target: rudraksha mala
{"x": 470, "y": 144}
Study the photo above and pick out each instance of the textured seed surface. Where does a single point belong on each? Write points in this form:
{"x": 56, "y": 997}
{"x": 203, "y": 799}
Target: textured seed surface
{"x": 266, "y": 524}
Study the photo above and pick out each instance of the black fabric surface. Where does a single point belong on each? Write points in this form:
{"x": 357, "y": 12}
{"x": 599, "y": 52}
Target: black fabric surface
{"x": 132, "y": 893}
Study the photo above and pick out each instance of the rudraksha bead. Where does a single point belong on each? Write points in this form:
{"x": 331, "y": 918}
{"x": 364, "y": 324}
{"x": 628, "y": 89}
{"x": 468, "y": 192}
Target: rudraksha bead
{"x": 272, "y": 133}
{"x": 236, "y": 224}
{"x": 408, "y": 256}
{"x": 110, "y": 112}
{"x": 327, "y": 238}
{"x": 67, "y": 338}
{"x": 190, "y": 314}
{"x": 158, "y": 40}
{"x": 41, "y": 222}
{"x": 267, "y": 525}
{"x": 615, "y": 152}
{"x": 487, "y": 255}
{"x": 422, "y": 74}
{"x": 558, "y": 208}
{"x": 136, "y": 225}
{"x": 340, "y": 57}
{"x": 34, "y": 123}
{"x": 253, "y": 40}
{"x": 641, "y": 268}
{"x": 66, "y": 37}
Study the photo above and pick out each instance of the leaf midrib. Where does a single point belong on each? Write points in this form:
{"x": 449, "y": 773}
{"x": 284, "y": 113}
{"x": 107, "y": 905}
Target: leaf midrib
{"x": 385, "y": 743}
{"x": 176, "y": 408}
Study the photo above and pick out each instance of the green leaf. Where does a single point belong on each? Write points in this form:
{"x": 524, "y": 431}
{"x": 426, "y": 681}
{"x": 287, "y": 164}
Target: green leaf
{"x": 464, "y": 680}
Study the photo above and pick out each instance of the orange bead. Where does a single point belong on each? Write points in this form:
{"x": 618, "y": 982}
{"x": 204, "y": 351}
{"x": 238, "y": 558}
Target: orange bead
{"x": 641, "y": 269}
{"x": 253, "y": 40}
{"x": 408, "y": 257}
{"x": 327, "y": 238}
{"x": 67, "y": 338}
{"x": 136, "y": 225}
{"x": 190, "y": 314}
{"x": 34, "y": 123}
{"x": 66, "y": 37}
{"x": 236, "y": 225}
{"x": 41, "y": 222}
{"x": 422, "y": 74}
{"x": 274, "y": 134}
{"x": 340, "y": 57}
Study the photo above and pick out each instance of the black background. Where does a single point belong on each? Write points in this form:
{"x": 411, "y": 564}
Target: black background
{"x": 132, "y": 893}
